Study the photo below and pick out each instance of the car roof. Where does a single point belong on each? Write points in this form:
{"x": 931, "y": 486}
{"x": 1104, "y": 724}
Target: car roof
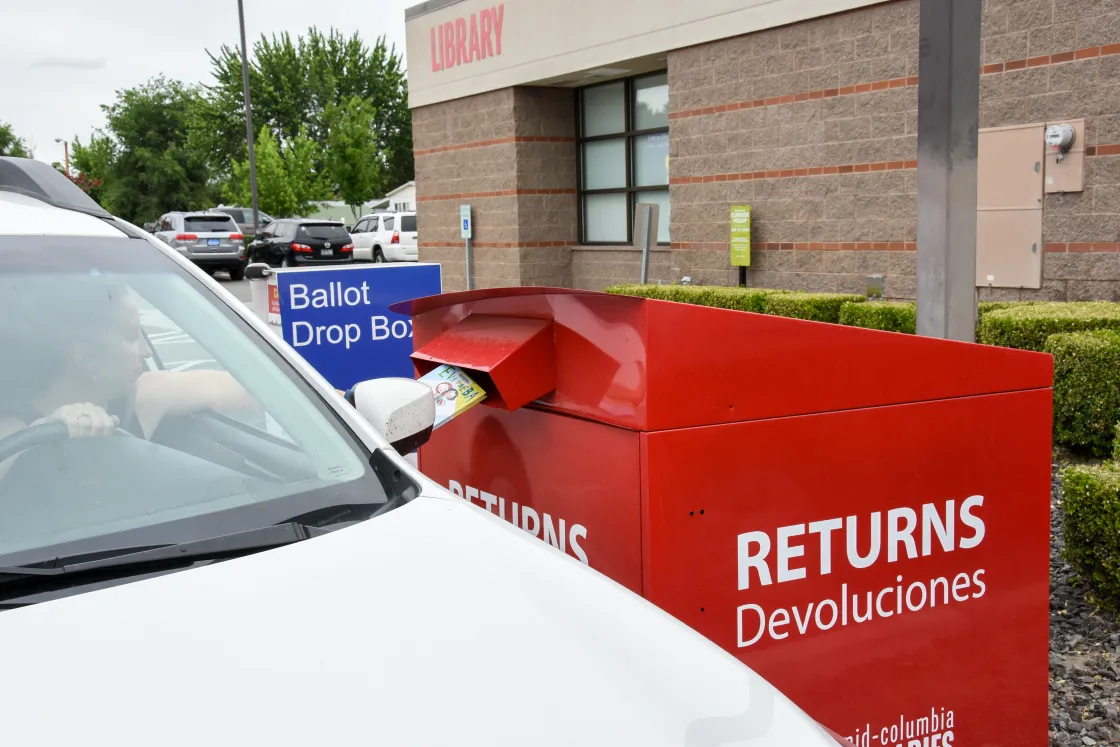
{"x": 36, "y": 179}
{"x": 206, "y": 214}
{"x": 23, "y": 215}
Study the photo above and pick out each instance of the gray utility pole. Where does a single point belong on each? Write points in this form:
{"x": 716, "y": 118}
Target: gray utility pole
{"x": 249, "y": 120}
{"x": 948, "y": 128}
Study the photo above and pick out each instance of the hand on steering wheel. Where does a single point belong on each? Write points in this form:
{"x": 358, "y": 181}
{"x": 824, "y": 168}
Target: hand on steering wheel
{"x": 84, "y": 420}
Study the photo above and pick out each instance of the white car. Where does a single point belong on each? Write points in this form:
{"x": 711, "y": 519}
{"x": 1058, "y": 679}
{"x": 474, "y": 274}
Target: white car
{"x": 386, "y": 237}
{"x": 278, "y": 574}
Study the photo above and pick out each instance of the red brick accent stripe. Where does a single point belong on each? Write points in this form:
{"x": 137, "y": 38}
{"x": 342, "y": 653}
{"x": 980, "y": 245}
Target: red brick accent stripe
{"x": 907, "y": 82}
{"x": 499, "y": 193}
{"x": 850, "y": 168}
{"x": 828, "y": 246}
{"x": 498, "y": 141}
{"x": 1052, "y": 59}
{"x": 1111, "y": 149}
{"x": 824, "y": 93}
{"x": 1083, "y": 246}
{"x": 496, "y": 244}
{"x": 854, "y": 168}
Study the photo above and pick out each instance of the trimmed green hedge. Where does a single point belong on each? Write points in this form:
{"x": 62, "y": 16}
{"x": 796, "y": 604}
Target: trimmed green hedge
{"x": 984, "y": 307}
{"x": 884, "y": 315}
{"x": 819, "y": 307}
{"x": 816, "y": 307}
{"x": 1086, "y": 389}
{"x": 1091, "y": 527}
{"x": 721, "y": 297}
{"x": 1027, "y": 326}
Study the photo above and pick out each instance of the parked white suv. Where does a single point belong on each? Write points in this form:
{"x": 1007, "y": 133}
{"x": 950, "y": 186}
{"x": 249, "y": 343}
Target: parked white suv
{"x": 386, "y": 237}
{"x": 186, "y": 576}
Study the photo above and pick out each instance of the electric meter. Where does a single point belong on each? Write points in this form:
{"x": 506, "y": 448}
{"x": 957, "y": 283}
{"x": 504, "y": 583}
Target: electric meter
{"x": 1059, "y": 137}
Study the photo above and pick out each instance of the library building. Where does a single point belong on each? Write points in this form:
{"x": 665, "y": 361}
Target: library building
{"x": 554, "y": 120}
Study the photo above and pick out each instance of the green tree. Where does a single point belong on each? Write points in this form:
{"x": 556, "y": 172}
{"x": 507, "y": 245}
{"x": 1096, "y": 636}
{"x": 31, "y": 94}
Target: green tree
{"x": 353, "y": 160}
{"x": 287, "y": 182}
{"x": 92, "y": 163}
{"x": 10, "y": 145}
{"x": 299, "y": 85}
{"x": 156, "y": 167}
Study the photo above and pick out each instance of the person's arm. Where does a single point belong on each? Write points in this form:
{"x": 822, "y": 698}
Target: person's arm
{"x": 163, "y": 393}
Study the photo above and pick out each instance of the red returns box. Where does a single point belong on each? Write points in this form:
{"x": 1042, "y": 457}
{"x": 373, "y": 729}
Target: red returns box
{"x": 862, "y": 517}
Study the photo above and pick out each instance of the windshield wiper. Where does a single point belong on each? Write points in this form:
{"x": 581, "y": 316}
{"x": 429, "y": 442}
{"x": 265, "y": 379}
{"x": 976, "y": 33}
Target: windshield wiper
{"x": 213, "y": 548}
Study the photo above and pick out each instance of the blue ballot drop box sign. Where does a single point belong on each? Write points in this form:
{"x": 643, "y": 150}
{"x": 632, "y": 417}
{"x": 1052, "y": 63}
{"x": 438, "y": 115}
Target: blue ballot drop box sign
{"x": 338, "y": 318}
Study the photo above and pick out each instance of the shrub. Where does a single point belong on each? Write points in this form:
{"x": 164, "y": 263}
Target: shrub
{"x": 1091, "y": 526}
{"x": 816, "y": 307}
{"x": 884, "y": 315}
{"x": 984, "y": 307}
{"x": 739, "y": 299}
{"x": 1086, "y": 389}
{"x": 1027, "y": 326}
{"x": 1116, "y": 445}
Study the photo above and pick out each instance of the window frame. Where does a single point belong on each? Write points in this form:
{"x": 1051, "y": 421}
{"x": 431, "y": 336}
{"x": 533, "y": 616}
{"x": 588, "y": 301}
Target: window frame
{"x": 629, "y": 135}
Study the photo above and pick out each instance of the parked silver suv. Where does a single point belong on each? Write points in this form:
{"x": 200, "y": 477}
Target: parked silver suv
{"x": 243, "y": 216}
{"x": 211, "y": 240}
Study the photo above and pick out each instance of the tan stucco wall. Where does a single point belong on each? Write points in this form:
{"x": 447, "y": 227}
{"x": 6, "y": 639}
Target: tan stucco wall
{"x": 542, "y": 40}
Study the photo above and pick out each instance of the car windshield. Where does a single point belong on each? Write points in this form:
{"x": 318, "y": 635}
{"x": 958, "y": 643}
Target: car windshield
{"x": 210, "y": 223}
{"x": 408, "y": 223}
{"x": 225, "y": 434}
{"x": 327, "y": 231}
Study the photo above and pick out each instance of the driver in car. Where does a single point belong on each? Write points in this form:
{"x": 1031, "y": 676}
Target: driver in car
{"x": 76, "y": 356}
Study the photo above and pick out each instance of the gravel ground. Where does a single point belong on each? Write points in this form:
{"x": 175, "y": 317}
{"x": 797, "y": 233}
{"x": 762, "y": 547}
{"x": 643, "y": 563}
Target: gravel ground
{"x": 1084, "y": 651}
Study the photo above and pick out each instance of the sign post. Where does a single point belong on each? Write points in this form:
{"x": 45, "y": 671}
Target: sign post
{"x": 646, "y": 223}
{"x": 465, "y": 233}
{"x": 741, "y": 240}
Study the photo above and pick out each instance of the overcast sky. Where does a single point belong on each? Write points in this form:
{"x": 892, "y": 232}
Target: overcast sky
{"x": 62, "y": 59}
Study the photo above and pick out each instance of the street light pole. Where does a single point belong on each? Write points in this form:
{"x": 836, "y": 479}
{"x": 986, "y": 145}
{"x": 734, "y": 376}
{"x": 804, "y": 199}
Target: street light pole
{"x": 66, "y": 151}
{"x": 249, "y": 119}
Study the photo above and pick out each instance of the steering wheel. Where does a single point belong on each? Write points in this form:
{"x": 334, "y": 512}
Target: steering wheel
{"x": 38, "y": 435}
{"x": 32, "y": 436}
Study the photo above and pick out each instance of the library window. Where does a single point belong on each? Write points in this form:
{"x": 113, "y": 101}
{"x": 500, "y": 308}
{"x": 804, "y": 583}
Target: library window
{"x": 623, "y": 157}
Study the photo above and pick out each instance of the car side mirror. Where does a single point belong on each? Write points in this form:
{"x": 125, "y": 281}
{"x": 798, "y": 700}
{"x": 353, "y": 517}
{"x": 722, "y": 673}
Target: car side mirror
{"x": 258, "y": 271}
{"x": 403, "y": 411}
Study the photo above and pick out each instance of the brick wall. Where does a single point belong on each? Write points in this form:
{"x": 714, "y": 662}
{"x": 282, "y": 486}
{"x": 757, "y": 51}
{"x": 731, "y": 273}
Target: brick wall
{"x": 596, "y": 267}
{"x": 510, "y": 154}
{"x": 815, "y": 125}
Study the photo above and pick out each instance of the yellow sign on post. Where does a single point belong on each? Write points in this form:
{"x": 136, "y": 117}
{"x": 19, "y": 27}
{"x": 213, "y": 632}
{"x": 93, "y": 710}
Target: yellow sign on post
{"x": 740, "y": 235}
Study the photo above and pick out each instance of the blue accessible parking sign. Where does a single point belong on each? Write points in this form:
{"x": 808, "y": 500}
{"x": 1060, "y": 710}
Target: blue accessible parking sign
{"x": 338, "y": 318}
{"x": 465, "y": 220}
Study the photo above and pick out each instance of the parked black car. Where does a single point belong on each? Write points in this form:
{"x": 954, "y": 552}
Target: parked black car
{"x": 292, "y": 242}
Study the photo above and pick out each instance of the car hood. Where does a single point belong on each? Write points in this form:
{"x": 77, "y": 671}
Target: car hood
{"x": 435, "y": 624}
